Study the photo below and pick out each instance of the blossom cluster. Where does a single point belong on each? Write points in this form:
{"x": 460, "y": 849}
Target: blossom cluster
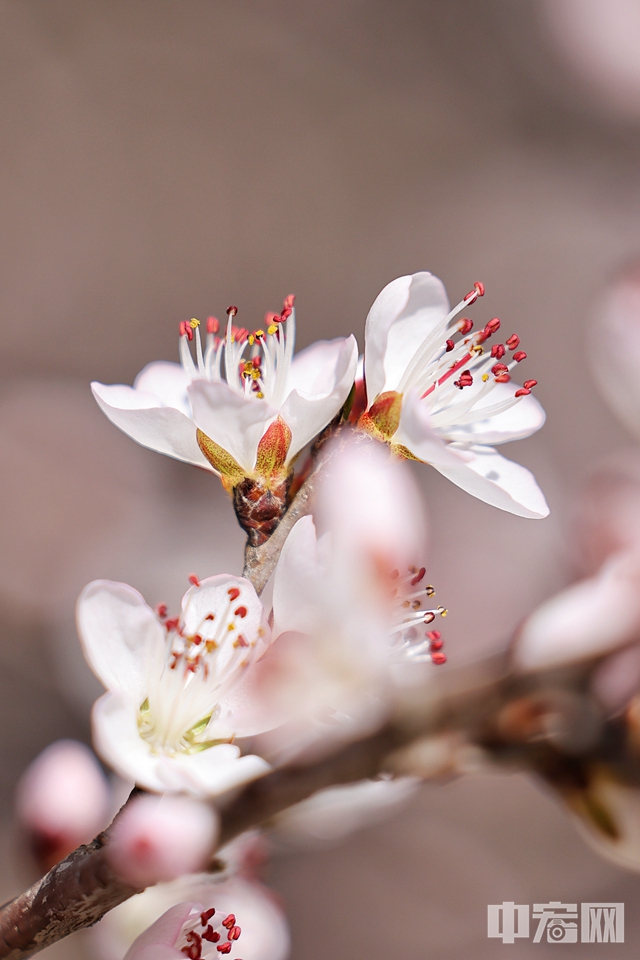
{"x": 203, "y": 700}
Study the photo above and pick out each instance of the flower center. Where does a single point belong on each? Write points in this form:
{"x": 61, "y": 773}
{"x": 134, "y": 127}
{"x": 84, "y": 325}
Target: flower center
{"x": 192, "y": 674}
{"x": 452, "y": 349}
{"x": 255, "y": 364}
{"x": 410, "y": 641}
{"x": 206, "y": 936}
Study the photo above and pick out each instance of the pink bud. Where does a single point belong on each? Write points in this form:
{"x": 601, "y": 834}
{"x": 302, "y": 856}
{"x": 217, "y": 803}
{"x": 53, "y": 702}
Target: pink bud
{"x": 62, "y": 800}
{"x": 160, "y": 838}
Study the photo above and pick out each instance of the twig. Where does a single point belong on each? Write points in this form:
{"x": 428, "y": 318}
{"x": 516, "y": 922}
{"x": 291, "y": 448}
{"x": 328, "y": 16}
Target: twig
{"x": 486, "y": 705}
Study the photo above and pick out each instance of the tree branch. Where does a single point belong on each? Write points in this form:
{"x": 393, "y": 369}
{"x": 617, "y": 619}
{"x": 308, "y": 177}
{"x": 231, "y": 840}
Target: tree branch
{"x": 485, "y": 705}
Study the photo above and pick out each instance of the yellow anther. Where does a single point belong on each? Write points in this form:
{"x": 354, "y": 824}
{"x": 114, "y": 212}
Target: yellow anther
{"x": 476, "y": 349}
{"x": 260, "y": 395}
{"x": 255, "y": 373}
{"x": 443, "y": 611}
{"x": 272, "y": 329}
{"x": 252, "y": 339}
{"x": 230, "y": 627}
{"x": 258, "y": 334}
{"x": 485, "y": 377}
{"x": 193, "y": 323}
{"x": 429, "y": 590}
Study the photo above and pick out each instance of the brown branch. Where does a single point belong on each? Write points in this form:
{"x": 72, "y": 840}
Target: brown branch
{"x": 485, "y": 705}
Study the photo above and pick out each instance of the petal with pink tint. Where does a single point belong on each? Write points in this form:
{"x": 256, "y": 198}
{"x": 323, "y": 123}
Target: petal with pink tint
{"x": 158, "y": 941}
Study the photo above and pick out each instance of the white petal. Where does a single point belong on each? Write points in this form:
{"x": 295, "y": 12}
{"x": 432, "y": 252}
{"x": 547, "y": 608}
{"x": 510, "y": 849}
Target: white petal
{"x": 498, "y": 481}
{"x": 120, "y": 635}
{"x": 591, "y": 617}
{"x": 330, "y": 370}
{"x": 167, "y": 381}
{"x": 163, "y": 429}
{"x": 402, "y": 315}
{"x": 419, "y": 437}
{"x": 212, "y": 597}
{"x": 519, "y": 421}
{"x": 214, "y": 771}
{"x": 157, "y": 941}
{"x": 315, "y": 371}
{"x": 233, "y": 421}
{"x": 295, "y": 584}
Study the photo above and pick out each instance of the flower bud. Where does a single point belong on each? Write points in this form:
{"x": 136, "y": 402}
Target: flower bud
{"x": 160, "y": 838}
{"x": 62, "y": 800}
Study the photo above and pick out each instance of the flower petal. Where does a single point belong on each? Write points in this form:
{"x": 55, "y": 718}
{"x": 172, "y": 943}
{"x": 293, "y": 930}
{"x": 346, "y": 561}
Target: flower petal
{"x": 117, "y": 739}
{"x": 212, "y": 772}
{"x": 158, "y": 941}
{"x": 521, "y": 420}
{"x": 402, "y": 315}
{"x": 295, "y": 584}
{"x": 331, "y": 369}
{"x": 160, "y": 428}
{"x": 120, "y": 636}
{"x": 416, "y": 433}
{"x": 221, "y": 595}
{"x": 496, "y": 480}
{"x": 233, "y": 421}
{"x": 167, "y": 381}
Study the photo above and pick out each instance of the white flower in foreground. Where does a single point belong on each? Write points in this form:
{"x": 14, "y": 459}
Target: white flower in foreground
{"x": 248, "y": 422}
{"x": 169, "y": 716}
{"x": 161, "y": 838}
{"x": 62, "y": 800}
{"x": 350, "y": 610}
{"x": 449, "y": 401}
{"x": 264, "y": 931}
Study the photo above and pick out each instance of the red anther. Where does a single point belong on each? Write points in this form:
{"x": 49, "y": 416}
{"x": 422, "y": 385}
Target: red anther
{"x": 232, "y": 311}
{"x": 434, "y": 635}
{"x": 224, "y": 948}
{"x": 522, "y": 393}
{"x": 241, "y": 612}
{"x": 465, "y": 380}
{"x": 529, "y": 384}
{"x": 503, "y": 378}
{"x": 394, "y": 575}
{"x": 437, "y": 645}
{"x": 513, "y": 341}
{"x": 498, "y": 351}
{"x": 233, "y": 592}
{"x": 206, "y": 916}
{"x": 192, "y": 952}
{"x": 210, "y": 934}
{"x": 499, "y": 368}
{"x": 197, "y": 639}
{"x": 229, "y": 921}
{"x": 450, "y": 345}
{"x": 492, "y": 327}
{"x": 429, "y": 617}
{"x": 210, "y": 616}
{"x": 193, "y": 937}
{"x": 234, "y": 933}
{"x": 288, "y": 302}
{"x": 186, "y": 330}
{"x": 256, "y": 361}
{"x": 519, "y": 356}
{"x": 437, "y": 657}
{"x": 193, "y": 579}
{"x": 161, "y": 610}
{"x": 241, "y": 641}
{"x": 419, "y": 576}
{"x": 213, "y": 324}
{"x": 172, "y": 623}
{"x": 479, "y": 286}
{"x": 465, "y": 325}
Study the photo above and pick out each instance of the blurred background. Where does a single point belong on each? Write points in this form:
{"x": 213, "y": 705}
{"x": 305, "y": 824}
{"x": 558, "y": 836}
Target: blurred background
{"x": 162, "y": 160}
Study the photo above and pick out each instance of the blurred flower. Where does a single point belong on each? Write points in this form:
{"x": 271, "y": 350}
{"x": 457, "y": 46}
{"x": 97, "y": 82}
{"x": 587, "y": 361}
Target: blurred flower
{"x": 600, "y": 40}
{"x": 615, "y": 348}
{"x": 161, "y": 838}
{"x": 62, "y": 800}
{"x": 416, "y": 405}
{"x": 249, "y": 423}
{"x": 334, "y": 813}
{"x": 167, "y": 720}
{"x": 349, "y": 606}
{"x": 592, "y": 618}
{"x": 265, "y": 935}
